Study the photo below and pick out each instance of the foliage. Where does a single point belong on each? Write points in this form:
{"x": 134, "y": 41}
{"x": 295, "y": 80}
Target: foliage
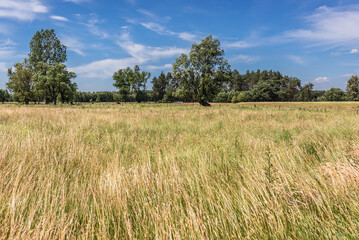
{"x": 201, "y": 74}
{"x": 334, "y": 94}
{"x": 43, "y": 75}
{"x": 225, "y": 96}
{"x": 45, "y": 47}
{"x": 131, "y": 81}
{"x": 306, "y": 94}
{"x": 52, "y": 80}
{"x": 20, "y": 82}
{"x": 353, "y": 88}
{"x": 4, "y": 96}
{"x": 159, "y": 86}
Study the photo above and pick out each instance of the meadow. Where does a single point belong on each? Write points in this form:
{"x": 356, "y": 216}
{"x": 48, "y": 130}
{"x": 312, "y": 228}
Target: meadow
{"x": 180, "y": 171}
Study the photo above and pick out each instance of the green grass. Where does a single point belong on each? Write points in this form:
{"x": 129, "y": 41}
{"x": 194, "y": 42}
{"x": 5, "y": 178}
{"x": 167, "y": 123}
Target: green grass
{"x": 167, "y": 171}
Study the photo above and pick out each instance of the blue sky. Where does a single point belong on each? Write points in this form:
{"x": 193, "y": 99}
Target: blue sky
{"x": 314, "y": 40}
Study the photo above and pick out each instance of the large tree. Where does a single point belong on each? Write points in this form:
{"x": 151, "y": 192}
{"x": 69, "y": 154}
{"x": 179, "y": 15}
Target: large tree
{"x": 353, "y": 88}
{"x": 159, "y": 86}
{"x": 46, "y": 47}
{"x": 201, "y": 74}
{"x": 46, "y": 51}
{"x": 131, "y": 81}
{"x": 54, "y": 81}
{"x": 21, "y": 82}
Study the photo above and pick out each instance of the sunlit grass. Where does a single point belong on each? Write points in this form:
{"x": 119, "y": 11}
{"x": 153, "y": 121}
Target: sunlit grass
{"x": 182, "y": 171}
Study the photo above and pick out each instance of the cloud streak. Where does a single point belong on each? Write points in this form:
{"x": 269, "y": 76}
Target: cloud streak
{"x": 321, "y": 80}
{"x": 330, "y": 26}
{"x": 59, "y": 18}
{"x": 23, "y": 10}
{"x": 245, "y": 58}
{"x": 139, "y": 54}
{"x": 159, "y": 29}
{"x": 73, "y": 44}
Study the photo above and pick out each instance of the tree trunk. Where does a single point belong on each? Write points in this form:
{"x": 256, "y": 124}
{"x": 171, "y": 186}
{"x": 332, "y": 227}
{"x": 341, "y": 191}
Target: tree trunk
{"x": 204, "y": 104}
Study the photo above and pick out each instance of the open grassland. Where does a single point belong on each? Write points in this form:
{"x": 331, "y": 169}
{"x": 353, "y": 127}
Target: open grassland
{"x": 256, "y": 171}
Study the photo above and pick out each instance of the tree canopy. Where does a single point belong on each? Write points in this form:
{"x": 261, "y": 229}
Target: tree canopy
{"x": 353, "y": 88}
{"x": 43, "y": 75}
{"x": 201, "y": 74}
{"x": 131, "y": 81}
{"x": 45, "y": 47}
{"x": 21, "y": 83}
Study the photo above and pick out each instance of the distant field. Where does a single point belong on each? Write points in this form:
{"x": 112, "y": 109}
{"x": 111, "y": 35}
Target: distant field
{"x": 180, "y": 171}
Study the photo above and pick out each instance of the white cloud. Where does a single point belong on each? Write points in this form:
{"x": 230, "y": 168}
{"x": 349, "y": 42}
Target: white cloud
{"x": 59, "y": 18}
{"x": 147, "y": 53}
{"x": 7, "y": 42}
{"x": 140, "y": 54}
{"x": 188, "y": 36}
{"x": 237, "y": 44}
{"x": 245, "y": 58}
{"x": 147, "y": 13}
{"x": 348, "y": 75}
{"x": 159, "y": 29}
{"x": 152, "y": 68}
{"x": 23, "y": 10}
{"x": 73, "y": 44}
{"x": 76, "y": 1}
{"x": 3, "y": 67}
{"x": 297, "y": 59}
{"x": 6, "y": 53}
{"x": 103, "y": 68}
{"x": 331, "y": 26}
{"x": 93, "y": 28}
{"x": 321, "y": 80}
{"x": 338, "y": 53}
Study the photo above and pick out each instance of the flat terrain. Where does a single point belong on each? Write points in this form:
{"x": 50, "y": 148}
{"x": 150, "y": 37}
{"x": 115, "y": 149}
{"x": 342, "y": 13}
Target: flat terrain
{"x": 145, "y": 171}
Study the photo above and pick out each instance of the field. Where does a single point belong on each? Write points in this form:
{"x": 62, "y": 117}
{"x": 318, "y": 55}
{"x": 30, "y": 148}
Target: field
{"x": 151, "y": 171}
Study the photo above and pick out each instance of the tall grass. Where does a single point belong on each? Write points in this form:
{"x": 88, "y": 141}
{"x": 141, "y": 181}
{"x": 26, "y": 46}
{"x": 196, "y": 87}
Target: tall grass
{"x": 279, "y": 171}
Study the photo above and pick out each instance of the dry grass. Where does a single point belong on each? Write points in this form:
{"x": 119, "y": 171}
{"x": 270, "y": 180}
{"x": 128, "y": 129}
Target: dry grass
{"x": 274, "y": 170}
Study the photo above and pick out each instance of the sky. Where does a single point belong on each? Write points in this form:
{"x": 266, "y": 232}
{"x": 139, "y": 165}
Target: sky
{"x": 314, "y": 40}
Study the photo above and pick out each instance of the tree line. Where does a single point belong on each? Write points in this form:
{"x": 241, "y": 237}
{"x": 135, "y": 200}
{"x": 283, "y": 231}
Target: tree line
{"x": 203, "y": 76}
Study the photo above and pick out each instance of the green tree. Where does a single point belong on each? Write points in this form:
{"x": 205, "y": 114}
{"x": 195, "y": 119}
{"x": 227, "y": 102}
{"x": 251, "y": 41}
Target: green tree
{"x": 21, "y": 83}
{"x": 131, "y": 81}
{"x": 201, "y": 74}
{"x": 53, "y": 79}
{"x": 45, "y": 47}
{"x": 353, "y": 88}
{"x": 45, "y": 51}
{"x": 306, "y": 93}
{"x": 159, "y": 86}
{"x": 123, "y": 79}
{"x": 4, "y": 95}
{"x": 289, "y": 88}
{"x": 244, "y": 96}
{"x": 334, "y": 94}
{"x": 237, "y": 81}
{"x": 67, "y": 94}
{"x": 265, "y": 91}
